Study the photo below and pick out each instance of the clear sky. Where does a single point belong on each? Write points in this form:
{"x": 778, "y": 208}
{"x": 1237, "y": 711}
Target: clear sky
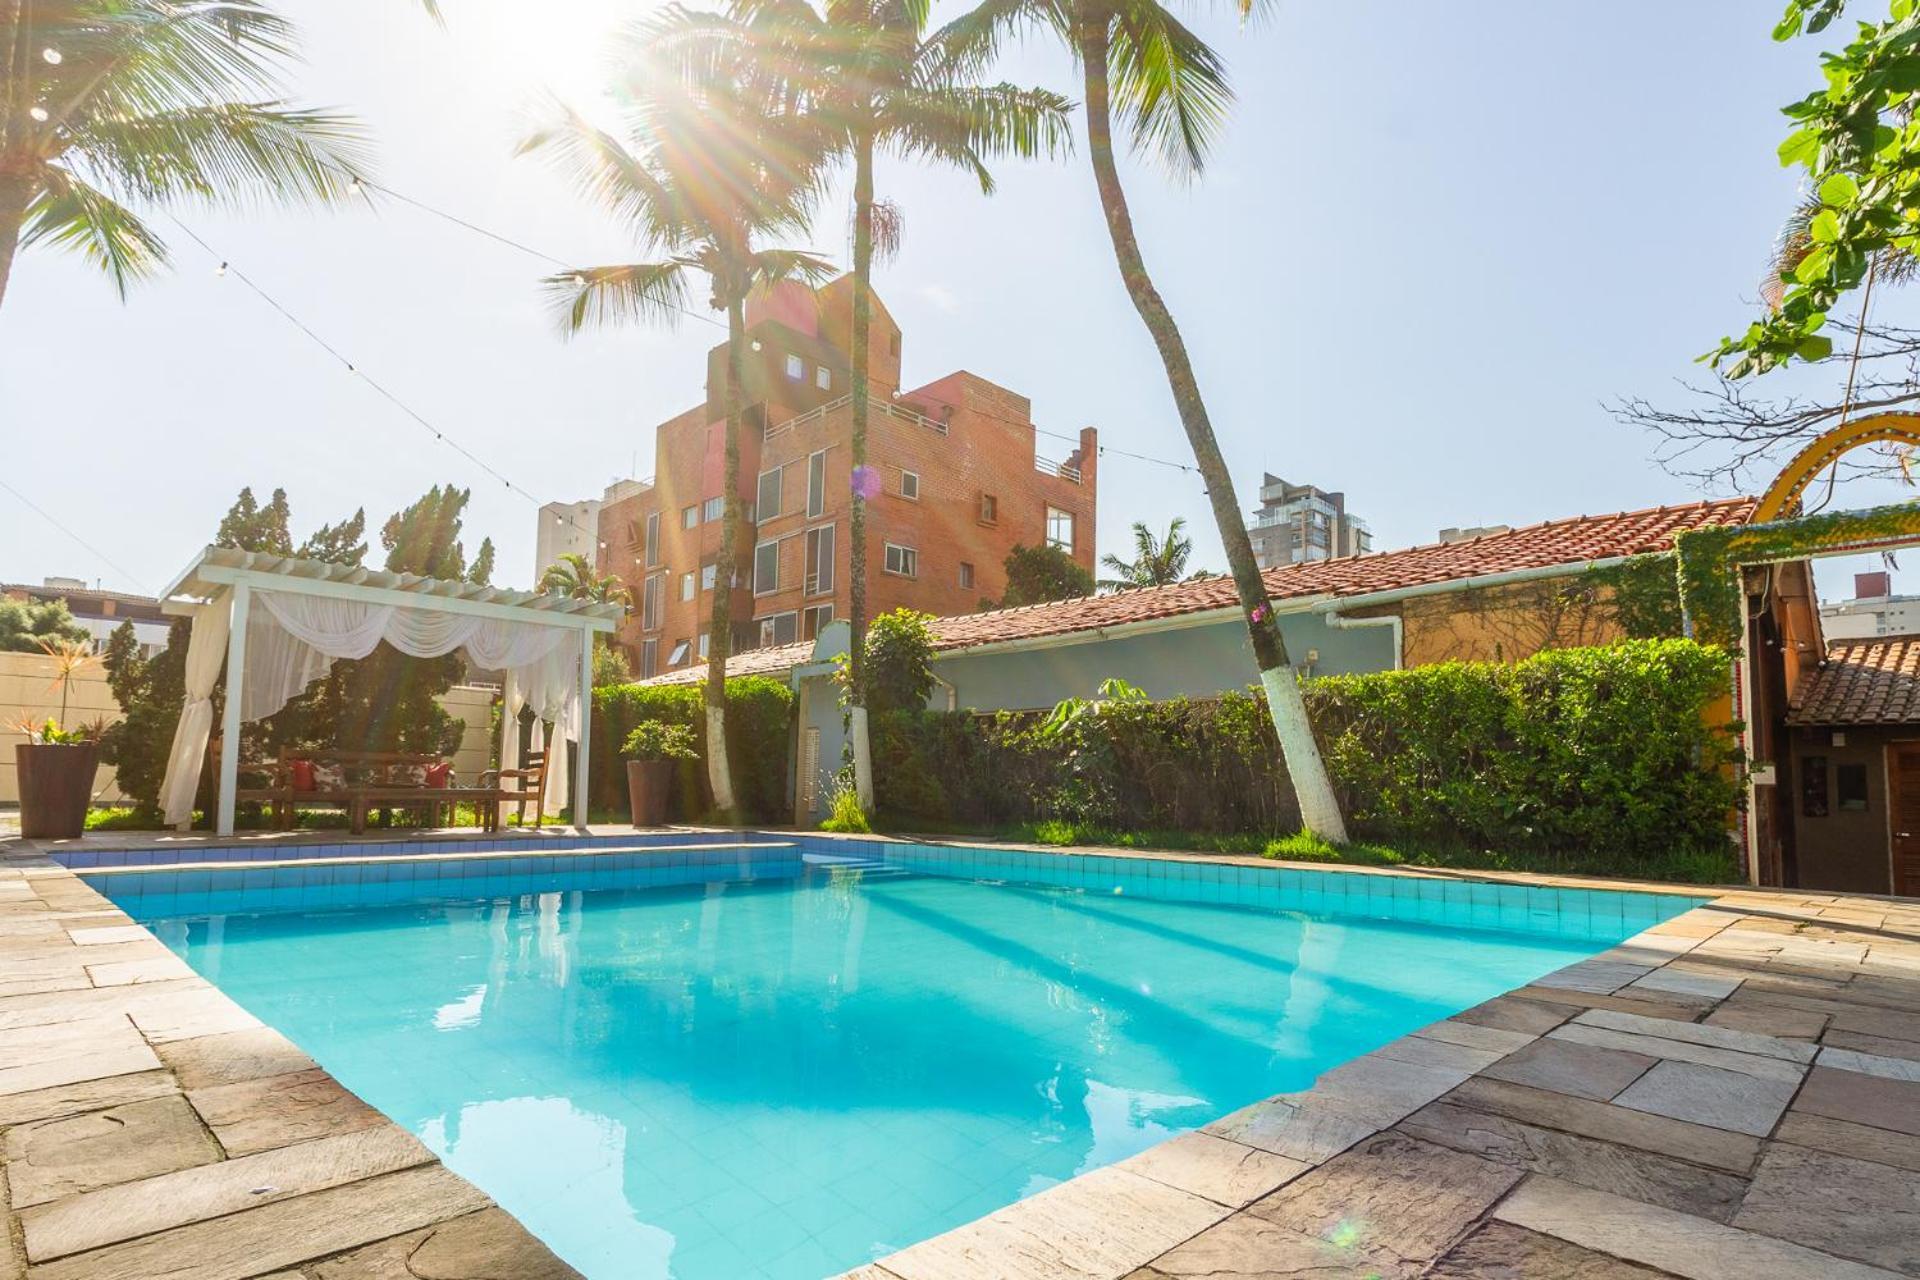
{"x": 1436, "y": 238}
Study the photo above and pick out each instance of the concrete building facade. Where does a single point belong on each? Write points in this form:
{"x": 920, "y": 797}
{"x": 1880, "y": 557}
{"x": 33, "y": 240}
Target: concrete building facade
{"x": 1873, "y": 611}
{"x": 955, "y": 483}
{"x": 1296, "y": 523}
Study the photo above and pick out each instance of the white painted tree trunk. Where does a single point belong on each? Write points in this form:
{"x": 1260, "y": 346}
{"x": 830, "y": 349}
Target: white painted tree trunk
{"x": 1319, "y": 810}
{"x": 862, "y": 758}
{"x": 717, "y": 774}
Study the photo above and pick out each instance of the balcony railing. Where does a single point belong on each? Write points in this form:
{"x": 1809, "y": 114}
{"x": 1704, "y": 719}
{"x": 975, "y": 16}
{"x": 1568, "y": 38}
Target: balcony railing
{"x": 1047, "y": 467}
{"x": 886, "y": 408}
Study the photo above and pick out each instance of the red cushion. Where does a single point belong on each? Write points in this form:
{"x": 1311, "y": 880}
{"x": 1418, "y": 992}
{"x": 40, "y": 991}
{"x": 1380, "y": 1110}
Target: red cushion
{"x": 438, "y": 774}
{"x": 302, "y": 774}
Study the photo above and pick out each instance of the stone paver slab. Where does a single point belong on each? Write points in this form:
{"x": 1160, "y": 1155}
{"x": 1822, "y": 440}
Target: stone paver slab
{"x": 1749, "y": 1064}
{"x": 1870, "y": 1064}
{"x": 1306, "y": 1128}
{"x": 1675, "y": 979}
{"x": 186, "y": 1014}
{"x": 1604, "y": 1166}
{"x": 488, "y": 1245}
{"x": 1738, "y": 1041}
{"x": 1844, "y": 1137}
{"x": 1476, "y": 1036}
{"x": 87, "y": 1095}
{"x": 231, "y": 1057}
{"x": 278, "y": 1111}
{"x": 103, "y": 934}
{"x": 1716, "y": 1148}
{"x": 1394, "y": 1199}
{"x": 1248, "y": 1248}
{"x": 119, "y": 973}
{"x": 1668, "y": 1005}
{"x": 1512, "y": 1013}
{"x": 1863, "y": 1099}
{"x": 1563, "y": 1066}
{"x": 1502, "y": 1251}
{"x": 1709, "y": 1096}
{"x": 1842, "y": 1206}
{"x": 1228, "y": 1173}
{"x": 1675, "y": 1242}
{"x": 111, "y": 1214}
{"x": 77, "y": 1068}
{"x": 1103, "y": 1224}
{"x": 52, "y": 1158}
{"x": 278, "y": 1235}
{"x": 1799, "y": 1024}
{"x": 1882, "y": 1046}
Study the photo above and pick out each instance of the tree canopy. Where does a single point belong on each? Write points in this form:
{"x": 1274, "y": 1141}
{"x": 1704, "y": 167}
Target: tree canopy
{"x": 27, "y": 625}
{"x": 1039, "y": 574}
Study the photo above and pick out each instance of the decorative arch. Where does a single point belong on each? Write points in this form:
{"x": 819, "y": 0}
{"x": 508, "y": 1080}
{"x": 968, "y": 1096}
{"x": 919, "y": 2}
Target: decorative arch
{"x": 1782, "y": 497}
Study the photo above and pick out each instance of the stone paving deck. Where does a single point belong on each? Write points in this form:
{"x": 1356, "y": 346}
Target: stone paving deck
{"x": 1734, "y": 1093}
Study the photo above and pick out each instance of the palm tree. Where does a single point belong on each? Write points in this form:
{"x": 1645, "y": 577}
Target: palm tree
{"x": 109, "y": 103}
{"x": 710, "y": 172}
{"x": 1169, "y": 89}
{"x": 572, "y": 576}
{"x": 1157, "y": 562}
{"x": 864, "y": 70}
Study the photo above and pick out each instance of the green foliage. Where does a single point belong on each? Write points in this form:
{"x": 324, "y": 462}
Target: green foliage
{"x": 610, "y": 665}
{"x": 1596, "y": 755}
{"x": 150, "y": 692}
{"x": 759, "y": 740}
{"x": 1857, "y": 138}
{"x": 574, "y": 577}
{"x": 248, "y": 526}
{"x": 1157, "y": 561}
{"x": 843, "y": 810}
{"x": 1039, "y": 574}
{"x": 1644, "y": 593}
{"x": 899, "y": 665}
{"x": 657, "y": 740}
{"x": 25, "y": 626}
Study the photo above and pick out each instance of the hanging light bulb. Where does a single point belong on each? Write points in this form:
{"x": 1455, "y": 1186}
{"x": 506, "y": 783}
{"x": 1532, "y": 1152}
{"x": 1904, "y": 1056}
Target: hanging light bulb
{"x": 220, "y": 270}
{"x": 353, "y": 185}
{"x": 38, "y": 113}
{"x": 51, "y": 57}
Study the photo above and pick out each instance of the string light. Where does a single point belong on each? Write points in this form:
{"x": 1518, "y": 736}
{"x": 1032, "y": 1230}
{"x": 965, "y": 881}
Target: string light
{"x": 51, "y": 57}
{"x": 354, "y": 187}
{"x": 38, "y": 113}
{"x": 220, "y": 271}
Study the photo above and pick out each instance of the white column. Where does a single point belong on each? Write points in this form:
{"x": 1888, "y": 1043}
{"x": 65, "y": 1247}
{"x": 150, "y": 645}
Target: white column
{"x": 586, "y": 728}
{"x": 509, "y": 732}
{"x": 230, "y": 719}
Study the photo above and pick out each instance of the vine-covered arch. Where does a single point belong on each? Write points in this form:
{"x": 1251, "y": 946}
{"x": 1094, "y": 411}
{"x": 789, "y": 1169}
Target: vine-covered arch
{"x": 1783, "y": 495}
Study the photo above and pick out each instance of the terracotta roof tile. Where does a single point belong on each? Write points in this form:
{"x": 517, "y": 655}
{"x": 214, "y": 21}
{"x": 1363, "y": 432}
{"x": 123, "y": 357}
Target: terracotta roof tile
{"x": 1571, "y": 541}
{"x": 1873, "y": 680}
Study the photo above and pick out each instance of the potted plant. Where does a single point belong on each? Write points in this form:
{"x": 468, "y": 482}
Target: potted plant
{"x": 652, "y": 750}
{"x": 56, "y": 765}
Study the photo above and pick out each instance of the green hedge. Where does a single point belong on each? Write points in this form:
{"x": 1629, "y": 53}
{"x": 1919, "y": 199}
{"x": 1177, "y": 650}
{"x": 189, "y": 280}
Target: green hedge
{"x": 1573, "y": 751}
{"x": 759, "y": 741}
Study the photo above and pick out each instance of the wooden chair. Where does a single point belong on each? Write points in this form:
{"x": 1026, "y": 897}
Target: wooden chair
{"x": 523, "y": 786}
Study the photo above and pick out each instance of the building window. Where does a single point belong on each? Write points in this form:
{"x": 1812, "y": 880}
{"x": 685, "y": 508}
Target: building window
{"x": 709, "y": 574}
{"x": 813, "y": 618}
{"x": 714, "y": 510}
{"x": 768, "y": 504}
{"x": 966, "y": 575}
{"x": 653, "y": 539}
{"x": 1813, "y": 787}
{"x": 649, "y": 658}
{"x": 989, "y": 509}
{"x": 796, "y": 367}
{"x": 910, "y": 485}
{"x": 823, "y": 378}
{"x": 766, "y": 568}
{"x": 686, "y": 586}
{"x": 816, "y": 484}
{"x": 1850, "y": 787}
{"x": 820, "y": 560}
{"x": 690, "y": 517}
{"x": 650, "y": 593}
{"x": 679, "y": 655}
{"x": 780, "y": 628}
{"x": 904, "y": 561}
{"x": 1060, "y": 529}
{"x": 703, "y": 646}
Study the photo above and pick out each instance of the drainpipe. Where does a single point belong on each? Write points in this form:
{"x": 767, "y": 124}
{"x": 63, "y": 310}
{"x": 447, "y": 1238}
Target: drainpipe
{"x": 953, "y": 694}
{"x": 1342, "y": 622}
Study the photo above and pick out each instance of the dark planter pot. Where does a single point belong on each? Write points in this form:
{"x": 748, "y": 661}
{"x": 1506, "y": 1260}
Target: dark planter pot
{"x": 56, "y": 786}
{"x": 649, "y": 786}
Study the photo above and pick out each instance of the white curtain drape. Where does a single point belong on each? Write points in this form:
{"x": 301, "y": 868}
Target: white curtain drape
{"x": 206, "y": 650}
{"x": 293, "y": 639}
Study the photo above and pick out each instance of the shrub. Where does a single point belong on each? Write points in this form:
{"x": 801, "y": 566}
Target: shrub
{"x": 759, "y": 738}
{"x": 655, "y": 740}
{"x": 843, "y": 810}
{"x": 899, "y": 660}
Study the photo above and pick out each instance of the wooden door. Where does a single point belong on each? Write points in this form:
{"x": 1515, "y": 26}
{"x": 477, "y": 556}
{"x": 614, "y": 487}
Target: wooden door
{"x": 1904, "y": 771}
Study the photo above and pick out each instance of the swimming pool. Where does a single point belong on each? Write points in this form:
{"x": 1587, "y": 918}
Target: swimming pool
{"x": 783, "y": 1056}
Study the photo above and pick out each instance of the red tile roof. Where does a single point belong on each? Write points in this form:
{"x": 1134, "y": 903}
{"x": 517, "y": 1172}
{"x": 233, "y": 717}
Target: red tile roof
{"x": 1571, "y": 542}
{"x": 1873, "y": 680}
{"x": 775, "y": 660}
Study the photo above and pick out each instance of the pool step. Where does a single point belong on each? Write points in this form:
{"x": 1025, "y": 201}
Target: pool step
{"x": 869, "y": 868}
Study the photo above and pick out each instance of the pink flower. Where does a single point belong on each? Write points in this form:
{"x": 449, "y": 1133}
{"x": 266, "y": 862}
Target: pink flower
{"x": 866, "y": 483}
{"x": 1260, "y": 612}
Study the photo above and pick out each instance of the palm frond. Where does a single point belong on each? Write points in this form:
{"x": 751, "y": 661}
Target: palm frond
{"x": 968, "y": 47}
{"x": 775, "y": 266}
{"x": 602, "y": 168}
{"x": 237, "y": 152}
{"x": 71, "y": 215}
{"x": 1169, "y": 86}
{"x": 962, "y": 124}
{"x": 600, "y": 297}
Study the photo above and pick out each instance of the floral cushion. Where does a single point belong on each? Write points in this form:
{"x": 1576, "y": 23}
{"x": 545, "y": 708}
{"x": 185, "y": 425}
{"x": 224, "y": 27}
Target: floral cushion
{"x": 329, "y": 776}
{"x": 407, "y": 775}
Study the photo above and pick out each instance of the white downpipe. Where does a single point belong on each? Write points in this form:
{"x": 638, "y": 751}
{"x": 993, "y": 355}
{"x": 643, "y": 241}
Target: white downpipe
{"x": 1341, "y": 622}
{"x": 718, "y": 775}
{"x": 953, "y": 694}
{"x": 1319, "y": 810}
{"x": 862, "y": 757}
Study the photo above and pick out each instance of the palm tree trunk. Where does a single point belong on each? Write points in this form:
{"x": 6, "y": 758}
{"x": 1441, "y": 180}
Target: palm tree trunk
{"x": 720, "y": 627}
{"x": 1319, "y": 810}
{"x": 15, "y": 194}
{"x": 857, "y": 523}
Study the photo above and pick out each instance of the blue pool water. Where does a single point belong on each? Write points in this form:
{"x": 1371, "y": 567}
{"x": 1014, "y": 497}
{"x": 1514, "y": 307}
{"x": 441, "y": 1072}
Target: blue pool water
{"x": 771, "y": 1060}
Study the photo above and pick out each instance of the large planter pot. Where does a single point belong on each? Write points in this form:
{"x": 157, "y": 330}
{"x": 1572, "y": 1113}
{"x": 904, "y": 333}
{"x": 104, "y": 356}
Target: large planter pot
{"x": 649, "y": 785}
{"x": 56, "y": 785}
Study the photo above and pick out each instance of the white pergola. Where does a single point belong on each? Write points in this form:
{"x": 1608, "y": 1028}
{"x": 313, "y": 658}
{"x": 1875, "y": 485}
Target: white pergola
{"x": 294, "y": 618}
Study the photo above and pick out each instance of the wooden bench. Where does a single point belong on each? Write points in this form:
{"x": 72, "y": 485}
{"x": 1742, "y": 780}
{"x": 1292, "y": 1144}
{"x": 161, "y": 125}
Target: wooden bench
{"x": 367, "y": 783}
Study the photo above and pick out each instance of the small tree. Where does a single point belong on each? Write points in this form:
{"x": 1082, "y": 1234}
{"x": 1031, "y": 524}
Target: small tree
{"x": 26, "y": 625}
{"x": 1036, "y": 575}
{"x": 1157, "y": 562}
{"x": 899, "y": 660}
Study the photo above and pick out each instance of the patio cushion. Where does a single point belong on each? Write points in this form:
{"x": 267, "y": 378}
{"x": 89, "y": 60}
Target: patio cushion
{"x": 439, "y": 775}
{"x": 302, "y": 774}
{"x": 407, "y": 775}
{"x": 328, "y": 777}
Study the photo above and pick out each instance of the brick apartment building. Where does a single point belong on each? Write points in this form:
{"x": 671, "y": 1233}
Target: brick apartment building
{"x": 959, "y": 486}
